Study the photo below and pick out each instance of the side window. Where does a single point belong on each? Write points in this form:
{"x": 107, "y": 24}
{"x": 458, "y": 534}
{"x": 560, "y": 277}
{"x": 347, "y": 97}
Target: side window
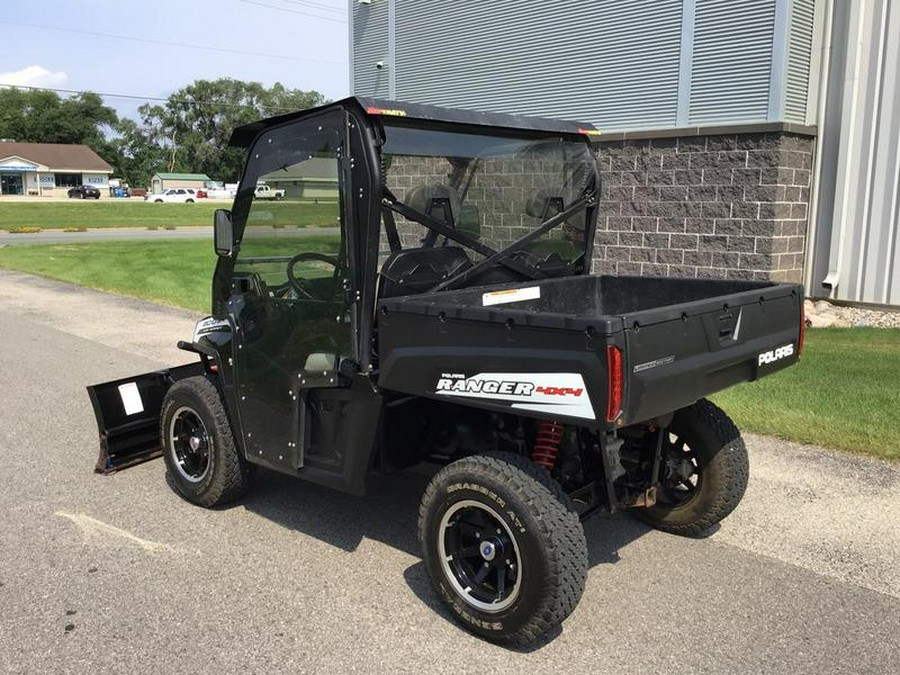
{"x": 293, "y": 241}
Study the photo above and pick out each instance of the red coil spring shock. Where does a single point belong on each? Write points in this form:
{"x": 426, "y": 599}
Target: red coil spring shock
{"x": 546, "y": 444}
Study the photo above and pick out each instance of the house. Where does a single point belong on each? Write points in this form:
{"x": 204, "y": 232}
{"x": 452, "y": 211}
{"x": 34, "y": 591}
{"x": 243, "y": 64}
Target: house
{"x": 164, "y": 181}
{"x": 50, "y": 169}
{"x": 747, "y": 139}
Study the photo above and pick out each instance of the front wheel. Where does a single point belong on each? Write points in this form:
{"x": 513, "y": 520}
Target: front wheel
{"x": 204, "y": 463}
{"x": 503, "y": 545}
{"x": 704, "y": 474}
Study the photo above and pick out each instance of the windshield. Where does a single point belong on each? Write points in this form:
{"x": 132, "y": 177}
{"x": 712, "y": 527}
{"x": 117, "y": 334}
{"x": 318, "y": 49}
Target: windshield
{"x": 495, "y": 190}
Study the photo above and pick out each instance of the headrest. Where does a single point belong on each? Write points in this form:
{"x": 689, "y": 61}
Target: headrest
{"x": 421, "y": 199}
{"x": 536, "y": 207}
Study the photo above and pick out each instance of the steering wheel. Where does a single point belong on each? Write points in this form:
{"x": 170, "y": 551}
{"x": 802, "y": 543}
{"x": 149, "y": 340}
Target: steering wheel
{"x": 302, "y": 286}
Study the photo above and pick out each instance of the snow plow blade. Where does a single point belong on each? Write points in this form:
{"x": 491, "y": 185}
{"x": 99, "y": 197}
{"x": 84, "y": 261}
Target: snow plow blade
{"x": 127, "y": 413}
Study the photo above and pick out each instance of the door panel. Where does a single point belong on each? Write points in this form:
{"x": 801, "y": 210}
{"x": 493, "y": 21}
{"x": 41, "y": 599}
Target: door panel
{"x": 290, "y": 294}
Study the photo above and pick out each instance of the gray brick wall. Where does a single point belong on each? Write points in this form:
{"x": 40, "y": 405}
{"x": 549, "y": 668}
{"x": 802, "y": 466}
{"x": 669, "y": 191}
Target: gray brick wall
{"x": 730, "y": 206}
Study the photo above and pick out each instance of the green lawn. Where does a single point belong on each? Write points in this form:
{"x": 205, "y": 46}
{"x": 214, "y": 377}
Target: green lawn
{"x": 844, "y": 393}
{"x": 120, "y": 213}
{"x": 176, "y": 273}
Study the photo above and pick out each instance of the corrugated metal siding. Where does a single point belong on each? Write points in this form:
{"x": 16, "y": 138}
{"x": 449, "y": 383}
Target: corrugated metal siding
{"x": 799, "y": 59}
{"x": 621, "y": 64}
{"x": 370, "y": 45}
{"x": 732, "y": 60}
{"x": 608, "y": 61}
{"x": 861, "y": 158}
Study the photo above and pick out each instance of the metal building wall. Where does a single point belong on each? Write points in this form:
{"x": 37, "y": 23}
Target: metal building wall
{"x": 640, "y": 64}
{"x": 856, "y": 254}
{"x": 369, "y": 46}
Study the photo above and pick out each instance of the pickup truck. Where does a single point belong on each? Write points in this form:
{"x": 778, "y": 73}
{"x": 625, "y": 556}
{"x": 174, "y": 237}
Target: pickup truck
{"x": 266, "y": 192}
{"x": 451, "y": 322}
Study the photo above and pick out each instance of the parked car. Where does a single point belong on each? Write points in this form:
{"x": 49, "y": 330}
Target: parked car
{"x": 265, "y": 192}
{"x": 177, "y": 195}
{"x": 202, "y": 194}
{"x": 84, "y": 192}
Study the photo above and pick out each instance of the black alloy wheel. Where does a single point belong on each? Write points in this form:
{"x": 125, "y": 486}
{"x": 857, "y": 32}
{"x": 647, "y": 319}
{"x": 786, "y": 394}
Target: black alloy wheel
{"x": 189, "y": 444}
{"x": 682, "y": 478}
{"x": 480, "y": 555}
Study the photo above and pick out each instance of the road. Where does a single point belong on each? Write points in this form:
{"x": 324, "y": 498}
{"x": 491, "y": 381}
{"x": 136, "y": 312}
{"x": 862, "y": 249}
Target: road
{"x": 133, "y": 234}
{"x": 116, "y": 574}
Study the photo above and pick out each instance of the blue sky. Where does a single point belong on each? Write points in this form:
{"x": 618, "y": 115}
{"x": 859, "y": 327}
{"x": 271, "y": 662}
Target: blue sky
{"x": 69, "y": 45}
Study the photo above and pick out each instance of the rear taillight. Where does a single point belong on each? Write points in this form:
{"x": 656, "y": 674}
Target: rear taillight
{"x": 802, "y": 337}
{"x": 614, "y": 395}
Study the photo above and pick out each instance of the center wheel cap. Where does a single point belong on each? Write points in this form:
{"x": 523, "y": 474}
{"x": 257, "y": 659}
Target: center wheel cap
{"x": 488, "y": 550}
{"x": 194, "y": 443}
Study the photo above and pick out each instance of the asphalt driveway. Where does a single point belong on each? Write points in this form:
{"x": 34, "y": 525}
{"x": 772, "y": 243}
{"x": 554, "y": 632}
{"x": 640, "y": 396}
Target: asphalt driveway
{"x": 117, "y": 574}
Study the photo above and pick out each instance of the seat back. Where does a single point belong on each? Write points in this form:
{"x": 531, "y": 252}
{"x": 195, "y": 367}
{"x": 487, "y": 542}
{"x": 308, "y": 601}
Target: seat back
{"x": 416, "y": 270}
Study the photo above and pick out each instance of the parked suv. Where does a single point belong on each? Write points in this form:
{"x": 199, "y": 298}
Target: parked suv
{"x": 183, "y": 195}
{"x": 84, "y": 192}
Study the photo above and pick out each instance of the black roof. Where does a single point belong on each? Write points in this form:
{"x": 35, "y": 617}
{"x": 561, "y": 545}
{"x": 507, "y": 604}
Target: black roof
{"x": 396, "y": 110}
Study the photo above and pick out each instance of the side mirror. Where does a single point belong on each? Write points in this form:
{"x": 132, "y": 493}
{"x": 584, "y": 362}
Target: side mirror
{"x": 223, "y": 235}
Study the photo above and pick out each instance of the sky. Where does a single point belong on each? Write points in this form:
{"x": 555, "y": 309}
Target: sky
{"x": 151, "y": 49}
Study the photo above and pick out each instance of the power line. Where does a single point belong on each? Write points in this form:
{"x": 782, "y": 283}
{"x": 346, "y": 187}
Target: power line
{"x": 294, "y": 11}
{"x": 309, "y": 4}
{"x": 169, "y": 43}
{"x": 190, "y": 101}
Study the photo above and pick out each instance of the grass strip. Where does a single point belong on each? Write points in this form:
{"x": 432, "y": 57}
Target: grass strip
{"x": 176, "y": 272}
{"x": 843, "y": 394}
{"x": 122, "y": 213}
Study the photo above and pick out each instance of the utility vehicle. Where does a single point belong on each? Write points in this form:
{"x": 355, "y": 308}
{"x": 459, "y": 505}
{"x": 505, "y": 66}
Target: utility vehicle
{"x": 446, "y": 313}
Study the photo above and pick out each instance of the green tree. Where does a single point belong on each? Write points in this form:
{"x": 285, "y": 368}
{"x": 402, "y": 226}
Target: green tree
{"x": 138, "y": 152}
{"x": 38, "y": 116}
{"x": 195, "y": 123}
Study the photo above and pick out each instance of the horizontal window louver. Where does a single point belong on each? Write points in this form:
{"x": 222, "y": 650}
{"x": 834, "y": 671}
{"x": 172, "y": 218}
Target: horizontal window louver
{"x": 370, "y": 45}
{"x": 732, "y": 60}
{"x": 609, "y": 62}
{"x": 799, "y": 60}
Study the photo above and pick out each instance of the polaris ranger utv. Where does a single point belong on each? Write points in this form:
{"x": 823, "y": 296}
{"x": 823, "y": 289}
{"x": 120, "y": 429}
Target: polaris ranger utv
{"x": 447, "y": 314}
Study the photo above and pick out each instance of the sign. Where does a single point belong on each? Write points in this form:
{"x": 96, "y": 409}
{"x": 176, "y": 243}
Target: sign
{"x": 17, "y": 167}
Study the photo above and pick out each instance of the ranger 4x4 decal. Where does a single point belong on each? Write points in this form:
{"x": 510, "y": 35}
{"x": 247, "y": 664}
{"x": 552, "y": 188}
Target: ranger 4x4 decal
{"x": 552, "y": 393}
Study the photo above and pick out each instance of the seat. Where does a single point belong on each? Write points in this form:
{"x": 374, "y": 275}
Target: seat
{"x": 416, "y": 270}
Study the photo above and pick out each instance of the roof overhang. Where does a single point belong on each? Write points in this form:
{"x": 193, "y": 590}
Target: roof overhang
{"x": 402, "y": 113}
{"x": 19, "y": 163}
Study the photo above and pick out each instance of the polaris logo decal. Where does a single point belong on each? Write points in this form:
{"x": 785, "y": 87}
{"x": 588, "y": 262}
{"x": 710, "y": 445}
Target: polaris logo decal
{"x": 774, "y": 355}
{"x": 556, "y": 393}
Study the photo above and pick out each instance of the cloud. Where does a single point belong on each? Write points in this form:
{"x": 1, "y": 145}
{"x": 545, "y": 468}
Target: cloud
{"x": 33, "y": 76}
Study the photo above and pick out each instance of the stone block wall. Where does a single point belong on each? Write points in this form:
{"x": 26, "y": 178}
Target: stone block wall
{"x": 729, "y": 206}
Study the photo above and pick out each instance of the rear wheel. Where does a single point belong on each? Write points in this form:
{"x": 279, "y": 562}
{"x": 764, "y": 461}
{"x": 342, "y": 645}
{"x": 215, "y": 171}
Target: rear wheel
{"x": 202, "y": 460}
{"x": 503, "y": 545}
{"x": 705, "y": 472}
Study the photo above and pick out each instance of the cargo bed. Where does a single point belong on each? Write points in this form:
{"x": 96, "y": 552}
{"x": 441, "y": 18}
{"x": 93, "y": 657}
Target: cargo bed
{"x": 678, "y": 339}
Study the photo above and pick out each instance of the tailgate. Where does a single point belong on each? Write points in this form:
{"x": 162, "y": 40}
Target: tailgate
{"x": 678, "y": 354}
